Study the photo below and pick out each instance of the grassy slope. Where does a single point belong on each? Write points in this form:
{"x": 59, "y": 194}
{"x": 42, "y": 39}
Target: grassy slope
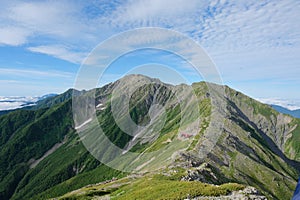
{"x": 71, "y": 159}
{"x": 71, "y": 167}
{"x": 258, "y": 166}
{"x": 257, "y": 111}
{"x": 30, "y": 140}
{"x": 292, "y": 146}
{"x": 150, "y": 187}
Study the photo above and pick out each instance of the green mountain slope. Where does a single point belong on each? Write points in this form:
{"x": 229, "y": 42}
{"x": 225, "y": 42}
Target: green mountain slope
{"x": 42, "y": 156}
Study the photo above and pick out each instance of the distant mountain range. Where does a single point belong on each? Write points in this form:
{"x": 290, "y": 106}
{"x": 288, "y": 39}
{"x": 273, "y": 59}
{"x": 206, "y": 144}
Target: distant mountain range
{"x": 297, "y": 192}
{"x": 294, "y": 113}
{"x": 242, "y": 148}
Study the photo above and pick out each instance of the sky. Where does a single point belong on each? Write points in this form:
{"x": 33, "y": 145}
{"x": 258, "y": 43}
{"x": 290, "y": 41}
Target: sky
{"x": 254, "y": 45}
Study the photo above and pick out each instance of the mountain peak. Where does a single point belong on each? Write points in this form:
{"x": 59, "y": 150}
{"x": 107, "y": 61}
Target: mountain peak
{"x": 218, "y": 136}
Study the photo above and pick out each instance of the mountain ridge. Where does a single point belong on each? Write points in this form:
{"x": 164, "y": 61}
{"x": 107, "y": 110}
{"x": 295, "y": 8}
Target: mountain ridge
{"x": 263, "y": 138}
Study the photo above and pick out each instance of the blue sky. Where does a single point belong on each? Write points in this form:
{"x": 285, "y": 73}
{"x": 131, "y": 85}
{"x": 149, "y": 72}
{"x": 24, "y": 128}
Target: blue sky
{"x": 255, "y": 45}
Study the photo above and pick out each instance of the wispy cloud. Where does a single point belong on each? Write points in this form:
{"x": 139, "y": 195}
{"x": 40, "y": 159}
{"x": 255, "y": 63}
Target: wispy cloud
{"x": 7, "y": 103}
{"x": 251, "y": 25}
{"x": 11, "y": 105}
{"x": 145, "y": 39}
{"x": 219, "y": 26}
{"x": 61, "y": 52}
{"x": 34, "y": 73}
{"x": 60, "y": 21}
{"x": 32, "y": 84}
{"x": 248, "y": 40}
{"x": 13, "y": 36}
{"x": 168, "y": 13}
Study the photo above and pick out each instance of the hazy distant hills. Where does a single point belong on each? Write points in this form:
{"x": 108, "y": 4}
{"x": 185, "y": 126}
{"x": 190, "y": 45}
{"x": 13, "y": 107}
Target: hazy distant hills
{"x": 294, "y": 113}
{"x": 257, "y": 148}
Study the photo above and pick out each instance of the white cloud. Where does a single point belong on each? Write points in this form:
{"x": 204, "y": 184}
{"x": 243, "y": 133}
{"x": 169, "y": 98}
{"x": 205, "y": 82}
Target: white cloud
{"x": 54, "y": 20}
{"x": 33, "y": 73}
{"x": 160, "y": 39}
{"x": 252, "y": 25}
{"x": 10, "y": 105}
{"x": 258, "y": 37}
{"x": 13, "y": 36}
{"x": 218, "y": 25}
{"x": 17, "y": 98}
{"x": 156, "y": 13}
{"x": 289, "y": 104}
{"x": 60, "y": 52}
{"x": 248, "y": 40}
{"x": 7, "y": 103}
{"x": 223, "y": 25}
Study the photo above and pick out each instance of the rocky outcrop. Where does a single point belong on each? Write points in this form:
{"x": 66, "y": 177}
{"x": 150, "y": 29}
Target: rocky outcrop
{"x": 204, "y": 173}
{"x": 249, "y": 193}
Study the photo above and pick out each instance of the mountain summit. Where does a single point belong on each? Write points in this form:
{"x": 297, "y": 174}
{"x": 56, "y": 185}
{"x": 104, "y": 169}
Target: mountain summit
{"x": 194, "y": 141}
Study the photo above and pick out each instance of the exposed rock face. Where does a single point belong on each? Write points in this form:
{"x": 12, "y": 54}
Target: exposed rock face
{"x": 277, "y": 129}
{"x": 249, "y": 193}
{"x": 240, "y": 140}
{"x": 204, "y": 173}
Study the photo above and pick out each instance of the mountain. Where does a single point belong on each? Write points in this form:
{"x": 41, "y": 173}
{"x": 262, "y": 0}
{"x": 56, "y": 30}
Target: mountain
{"x": 294, "y": 113}
{"x": 214, "y": 141}
{"x": 47, "y": 96}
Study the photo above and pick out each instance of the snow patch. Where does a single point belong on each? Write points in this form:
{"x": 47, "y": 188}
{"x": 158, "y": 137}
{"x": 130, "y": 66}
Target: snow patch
{"x": 99, "y": 105}
{"x": 83, "y": 124}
